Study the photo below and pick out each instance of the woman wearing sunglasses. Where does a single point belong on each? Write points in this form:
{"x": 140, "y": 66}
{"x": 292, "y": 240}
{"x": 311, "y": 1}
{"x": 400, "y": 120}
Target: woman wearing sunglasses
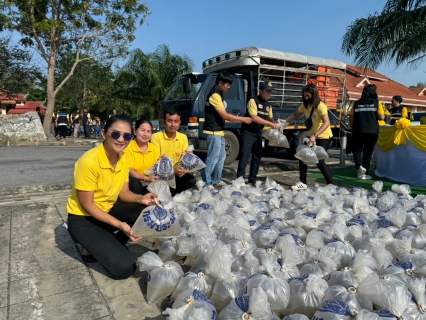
{"x": 101, "y": 203}
{"x": 142, "y": 156}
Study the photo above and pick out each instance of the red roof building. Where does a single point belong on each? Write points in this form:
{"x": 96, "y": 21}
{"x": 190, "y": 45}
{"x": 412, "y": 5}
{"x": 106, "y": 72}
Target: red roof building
{"x": 16, "y": 104}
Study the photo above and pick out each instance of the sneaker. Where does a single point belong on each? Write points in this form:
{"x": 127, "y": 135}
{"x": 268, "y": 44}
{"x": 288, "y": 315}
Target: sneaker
{"x": 211, "y": 187}
{"x": 299, "y": 186}
{"x": 366, "y": 177}
{"x": 361, "y": 172}
{"x": 221, "y": 184}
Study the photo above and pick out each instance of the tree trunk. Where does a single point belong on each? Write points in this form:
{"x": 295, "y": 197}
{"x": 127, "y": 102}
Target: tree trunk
{"x": 51, "y": 95}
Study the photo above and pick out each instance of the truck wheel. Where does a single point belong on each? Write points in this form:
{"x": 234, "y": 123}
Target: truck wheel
{"x": 232, "y": 147}
{"x": 297, "y": 141}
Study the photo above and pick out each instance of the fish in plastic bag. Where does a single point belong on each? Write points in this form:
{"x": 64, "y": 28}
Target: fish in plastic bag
{"x": 255, "y": 307}
{"x": 162, "y": 278}
{"x": 158, "y": 221}
{"x": 281, "y": 141}
{"x": 191, "y": 162}
{"x": 228, "y": 287}
{"x": 163, "y": 169}
{"x": 306, "y": 154}
{"x": 333, "y": 310}
{"x": 296, "y": 316}
{"x": 187, "y": 305}
{"x": 320, "y": 152}
{"x": 194, "y": 280}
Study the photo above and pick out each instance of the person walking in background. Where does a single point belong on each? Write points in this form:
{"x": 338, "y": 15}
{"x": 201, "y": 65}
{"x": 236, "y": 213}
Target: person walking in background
{"x": 40, "y": 115}
{"x": 173, "y": 145}
{"x": 319, "y": 133}
{"x": 364, "y": 121}
{"x": 85, "y": 121}
{"x": 216, "y": 115}
{"x": 62, "y": 122}
{"x": 101, "y": 208}
{"x": 113, "y": 113}
{"x": 260, "y": 110}
{"x": 75, "y": 120}
{"x": 397, "y": 111}
{"x": 142, "y": 156}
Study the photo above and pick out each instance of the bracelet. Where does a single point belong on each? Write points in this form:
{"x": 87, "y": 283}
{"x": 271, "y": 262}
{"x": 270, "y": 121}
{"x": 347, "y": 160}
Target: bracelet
{"x": 137, "y": 198}
{"x": 316, "y": 135}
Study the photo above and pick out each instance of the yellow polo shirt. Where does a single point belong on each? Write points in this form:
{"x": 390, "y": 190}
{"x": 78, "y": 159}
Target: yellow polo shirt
{"x": 173, "y": 149}
{"x": 316, "y": 119}
{"x": 252, "y": 109}
{"x": 215, "y": 100}
{"x": 142, "y": 161}
{"x": 93, "y": 172}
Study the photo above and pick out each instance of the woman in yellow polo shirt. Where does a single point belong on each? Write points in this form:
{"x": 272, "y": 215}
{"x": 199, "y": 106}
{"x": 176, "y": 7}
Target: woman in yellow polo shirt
{"x": 320, "y": 132}
{"x": 101, "y": 203}
{"x": 142, "y": 155}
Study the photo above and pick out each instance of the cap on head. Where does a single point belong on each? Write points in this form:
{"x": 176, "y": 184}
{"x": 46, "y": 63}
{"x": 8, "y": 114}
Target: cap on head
{"x": 266, "y": 85}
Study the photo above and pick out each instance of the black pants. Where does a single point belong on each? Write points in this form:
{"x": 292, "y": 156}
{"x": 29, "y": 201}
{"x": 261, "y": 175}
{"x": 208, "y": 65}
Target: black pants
{"x": 135, "y": 185}
{"x": 187, "y": 181}
{"x": 87, "y": 131}
{"x": 250, "y": 145}
{"x": 363, "y": 147}
{"x": 62, "y": 131}
{"x": 103, "y": 242}
{"x": 325, "y": 170}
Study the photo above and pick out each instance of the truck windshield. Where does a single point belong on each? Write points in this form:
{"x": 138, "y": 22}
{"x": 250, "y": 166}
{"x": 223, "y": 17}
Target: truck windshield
{"x": 177, "y": 91}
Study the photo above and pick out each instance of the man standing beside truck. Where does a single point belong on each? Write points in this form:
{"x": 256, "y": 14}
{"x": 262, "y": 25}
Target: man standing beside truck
{"x": 260, "y": 111}
{"x": 216, "y": 115}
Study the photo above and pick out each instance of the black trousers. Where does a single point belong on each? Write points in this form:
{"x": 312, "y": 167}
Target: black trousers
{"x": 62, "y": 131}
{"x": 87, "y": 132}
{"x": 250, "y": 145}
{"x": 363, "y": 147}
{"x": 187, "y": 181}
{"x": 325, "y": 170}
{"x": 104, "y": 242}
{"x": 135, "y": 185}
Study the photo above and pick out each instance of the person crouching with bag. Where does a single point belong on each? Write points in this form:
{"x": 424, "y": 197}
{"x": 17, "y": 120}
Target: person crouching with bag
{"x": 318, "y": 124}
{"x": 101, "y": 208}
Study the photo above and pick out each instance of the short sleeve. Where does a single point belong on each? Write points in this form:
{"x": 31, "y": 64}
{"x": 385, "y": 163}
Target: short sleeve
{"x": 215, "y": 100}
{"x": 301, "y": 108}
{"x": 184, "y": 143}
{"x": 252, "y": 107}
{"x": 380, "y": 109}
{"x": 404, "y": 112}
{"x": 156, "y": 141}
{"x": 270, "y": 115}
{"x": 86, "y": 175}
{"x": 322, "y": 109}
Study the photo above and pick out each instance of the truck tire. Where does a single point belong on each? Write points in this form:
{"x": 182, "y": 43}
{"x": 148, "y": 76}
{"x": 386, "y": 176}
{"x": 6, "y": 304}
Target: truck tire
{"x": 268, "y": 150}
{"x": 232, "y": 147}
{"x": 297, "y": 141}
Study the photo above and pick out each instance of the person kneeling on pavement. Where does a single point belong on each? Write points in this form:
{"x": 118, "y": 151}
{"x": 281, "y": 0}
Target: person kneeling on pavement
{"x": 173, "y": 145}
{"x": 260, "y": 110}
{"x": 101, "y": 208}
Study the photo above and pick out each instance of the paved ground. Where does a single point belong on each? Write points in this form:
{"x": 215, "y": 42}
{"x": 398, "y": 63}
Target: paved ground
{"x": 41, "y": 273}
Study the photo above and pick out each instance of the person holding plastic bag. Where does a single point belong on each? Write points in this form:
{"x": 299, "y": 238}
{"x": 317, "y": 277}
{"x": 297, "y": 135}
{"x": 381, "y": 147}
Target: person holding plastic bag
{"x": 260, "y": 110}
{"x": 364, "y": 117}
{"x": 95, "y": 212}
{"x": 318, "y": 124}
{"x": 142, "y": 155}
{"x": 173, "y": 145}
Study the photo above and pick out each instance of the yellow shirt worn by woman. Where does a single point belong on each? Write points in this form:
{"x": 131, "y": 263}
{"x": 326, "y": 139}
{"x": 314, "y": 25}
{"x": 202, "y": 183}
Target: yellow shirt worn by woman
{"x": 93, "y": 172}
{"x": 139, "y": 161}
{"x": 316, "y": 119}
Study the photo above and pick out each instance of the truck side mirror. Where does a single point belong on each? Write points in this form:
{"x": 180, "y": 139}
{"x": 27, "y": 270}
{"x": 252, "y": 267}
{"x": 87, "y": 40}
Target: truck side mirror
{"x": 186, "y": 84}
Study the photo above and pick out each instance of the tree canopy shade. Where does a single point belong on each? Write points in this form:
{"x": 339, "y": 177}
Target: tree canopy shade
{"x": 85, "y": 29}
{"x": 397, "y": 34}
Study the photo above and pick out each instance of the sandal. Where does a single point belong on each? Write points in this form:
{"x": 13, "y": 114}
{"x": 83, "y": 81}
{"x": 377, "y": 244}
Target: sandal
{"x": 87, "y": 257}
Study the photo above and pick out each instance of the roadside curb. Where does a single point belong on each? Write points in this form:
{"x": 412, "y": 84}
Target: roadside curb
{"x": 28, "y": 191}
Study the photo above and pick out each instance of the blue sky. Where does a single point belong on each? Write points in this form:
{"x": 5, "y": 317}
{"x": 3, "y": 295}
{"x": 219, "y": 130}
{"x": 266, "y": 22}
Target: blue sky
{"x": 203, "y": 29}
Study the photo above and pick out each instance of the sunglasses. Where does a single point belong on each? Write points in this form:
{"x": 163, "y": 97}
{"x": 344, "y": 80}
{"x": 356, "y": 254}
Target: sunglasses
{"x": 116, "y": 135}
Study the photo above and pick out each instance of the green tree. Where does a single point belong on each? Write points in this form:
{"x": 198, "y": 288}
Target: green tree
{"x": 18, "y": 72}
{"x": 87, "y": 29}
{"x": 146, "y": 77}
{"x": 397, "y": 34}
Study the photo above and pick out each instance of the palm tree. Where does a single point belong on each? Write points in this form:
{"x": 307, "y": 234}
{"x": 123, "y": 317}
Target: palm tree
{"x": 397, "y": 34}
{"x": 145, "y": 77}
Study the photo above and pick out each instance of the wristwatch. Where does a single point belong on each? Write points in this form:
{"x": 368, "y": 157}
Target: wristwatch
{"x": 316, "y": 135}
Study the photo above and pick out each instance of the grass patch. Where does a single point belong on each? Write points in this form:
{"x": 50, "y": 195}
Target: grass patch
{"x": 347, "y": 176}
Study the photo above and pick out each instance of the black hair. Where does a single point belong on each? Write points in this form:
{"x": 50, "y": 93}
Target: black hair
{"x": 37, "y": 108}
{"x": 397, "y": 98}
{"x": 119, "y": 117}
{"x": 369, "y": 93}
{"x": 225, "y": 77}
{"x": 141, "y": 122}
{"x": 171, "y": 112}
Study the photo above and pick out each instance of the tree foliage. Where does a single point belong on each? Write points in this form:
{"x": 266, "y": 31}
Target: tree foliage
{"x": 86, "y": 29}
{"x": 397, "y": 34}
{"x": 145, "y": 78}
{"x": 18, "y": 72}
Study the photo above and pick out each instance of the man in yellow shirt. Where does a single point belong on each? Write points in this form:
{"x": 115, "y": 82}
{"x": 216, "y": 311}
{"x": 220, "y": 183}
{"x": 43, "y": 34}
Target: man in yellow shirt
{"x": 173, "y": 145}
{"x": 396, "y": 110}
{"x": 216, "y": 115}
{"x": 260, "y": 110}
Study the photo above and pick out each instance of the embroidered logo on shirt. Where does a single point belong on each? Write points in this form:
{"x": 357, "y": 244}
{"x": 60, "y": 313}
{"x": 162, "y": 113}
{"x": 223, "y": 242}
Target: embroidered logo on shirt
{"x": 260, "y": 106}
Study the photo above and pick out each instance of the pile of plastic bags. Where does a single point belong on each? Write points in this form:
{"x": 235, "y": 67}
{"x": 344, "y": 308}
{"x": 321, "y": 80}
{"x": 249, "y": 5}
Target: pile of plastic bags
{"x": 263, "y": 252}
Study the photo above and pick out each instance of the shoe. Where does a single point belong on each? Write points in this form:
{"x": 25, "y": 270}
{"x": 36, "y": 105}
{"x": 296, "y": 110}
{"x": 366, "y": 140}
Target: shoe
{"x": 221, "y": 184}
{"x": 366, "y": 177}
{"x": 361, "y": 172}
{"x": 211, "y": 187}
{"x": 299, "y": 186}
